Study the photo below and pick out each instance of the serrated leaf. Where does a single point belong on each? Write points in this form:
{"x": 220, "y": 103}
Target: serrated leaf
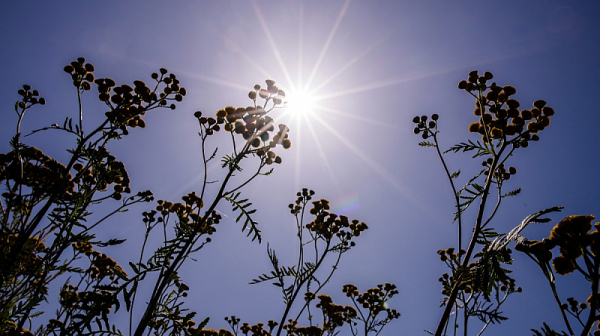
{"x": 134, "y": 268}
{"x": 455, "y": 174}
{"x": 426, "y": 144}
{"x": 512, "y": 193}
{"x": 203, "y": 323}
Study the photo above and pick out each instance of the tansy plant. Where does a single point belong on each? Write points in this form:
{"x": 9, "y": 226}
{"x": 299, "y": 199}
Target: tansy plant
{"x": 578, "y": 245}
{"x": 46, "y": 207}
{"x": 477, "y": 282}
{"x": 48, "y": 239}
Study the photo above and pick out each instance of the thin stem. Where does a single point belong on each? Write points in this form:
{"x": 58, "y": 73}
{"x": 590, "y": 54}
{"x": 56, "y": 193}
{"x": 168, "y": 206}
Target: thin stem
{"x": 594, "y": 277}
{"x": 456, "y": 195}
{"x": 80, "y": 110}
{"x": 472, "y": 243}
{"x": 297, "y": 290}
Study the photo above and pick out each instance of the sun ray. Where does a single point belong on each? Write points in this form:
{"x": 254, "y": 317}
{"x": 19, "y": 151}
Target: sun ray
{"x": 218, "y": 81}
{"x": 256, "y": 65}
{"x": 298, "y": 145}
{"x": 328, "y": 42}
{"x": 355, "y": 117}
{"x": 349, "y": 64}
{"x": 300, "y": 46}
{"x": 322, "y": 154}
{"x": 380, "y": 170}
{"x": 263, "y": 24}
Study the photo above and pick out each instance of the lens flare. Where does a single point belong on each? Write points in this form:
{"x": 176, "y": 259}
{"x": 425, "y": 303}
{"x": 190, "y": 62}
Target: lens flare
{"x": 300, "y": 102}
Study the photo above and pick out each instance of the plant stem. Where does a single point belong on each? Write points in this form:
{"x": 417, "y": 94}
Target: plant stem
{"x": 472, "y": 243}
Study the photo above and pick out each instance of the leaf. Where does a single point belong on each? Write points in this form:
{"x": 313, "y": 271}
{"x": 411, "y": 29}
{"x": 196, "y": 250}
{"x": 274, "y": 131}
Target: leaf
{"x": 110, "y": 242}
{"x": 134, "y": 268}
{"x": 249, "y": 223}
{"x": 203, "y": 323}
{"x": 512, "y": 193}
{"x": 213, "y": 155}
{"x": 426, "y": 144}
{"x": 455, "y": 174}
{"x": 548, "y": 331}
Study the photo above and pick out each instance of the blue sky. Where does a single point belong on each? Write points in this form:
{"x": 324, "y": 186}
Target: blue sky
{"x": 377, "y": 64}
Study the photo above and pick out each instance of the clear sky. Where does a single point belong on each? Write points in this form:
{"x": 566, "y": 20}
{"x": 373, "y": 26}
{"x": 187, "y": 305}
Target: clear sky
{"x": 375, "y": 65}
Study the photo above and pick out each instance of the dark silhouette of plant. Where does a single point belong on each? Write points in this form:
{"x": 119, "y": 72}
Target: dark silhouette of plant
{"x": 48, "y": 235}
{"x": 478, "y": 282}
{"x": 578, "y": 253}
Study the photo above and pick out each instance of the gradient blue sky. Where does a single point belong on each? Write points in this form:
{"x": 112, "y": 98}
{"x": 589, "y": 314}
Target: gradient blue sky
{"x": 377, "y": 63}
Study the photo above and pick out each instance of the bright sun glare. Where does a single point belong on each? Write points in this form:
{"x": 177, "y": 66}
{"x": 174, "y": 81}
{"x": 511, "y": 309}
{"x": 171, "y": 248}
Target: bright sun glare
{"x": 300, "y": 102}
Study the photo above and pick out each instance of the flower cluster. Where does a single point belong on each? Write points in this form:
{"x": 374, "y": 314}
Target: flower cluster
{"x": 327, "y": 224}
{"x": 94, "y": 303}
{"x": 254, "y": 330}
{"x": 30, "y": 97}
{"x": 252, "y": 123}
{"x": 374, "y": 300}
{"x": 102, "y": 170}
{"x": 335, "y": 315}
{"x": 272, "y": 92}
{"x": 574, "y": 239}
{"x": 187, "y": 213}
{"x": 81, "y": 73}
{"x": 28, "y": 259}
{"x": 423, "y": 127}
{"x": 449, "y": 255}
{"x": 499, "y": 114}
{"x": 303, "y": 197}
{"x": 575, "y": 306}
{"x": 31, "y": 167}
{"x": 127, "y": 104}
{"x": 10, "y": 328}
{"x": 103, "y": 266}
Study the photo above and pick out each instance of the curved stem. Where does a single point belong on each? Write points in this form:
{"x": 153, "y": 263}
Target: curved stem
{"x": 297, "y": 290}
{"x": 472, "y": 243}
{"x": 456, "y": 195}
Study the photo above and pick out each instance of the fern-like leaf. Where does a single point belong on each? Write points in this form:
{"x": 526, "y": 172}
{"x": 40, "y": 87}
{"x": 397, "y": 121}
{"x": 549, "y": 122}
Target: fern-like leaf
{"x": 243, "y": 206}
{"x": 426, "y": 144}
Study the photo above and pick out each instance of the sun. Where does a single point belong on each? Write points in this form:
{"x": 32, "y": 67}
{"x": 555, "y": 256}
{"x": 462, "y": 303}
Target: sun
{"x": 301, "y": 102}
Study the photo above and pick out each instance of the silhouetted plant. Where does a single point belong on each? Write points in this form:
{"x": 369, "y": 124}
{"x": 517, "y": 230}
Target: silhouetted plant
{"x": 578, "y": 254}
{"x": 48, "y": 234}
{"x": 327, "y": 234}
{"x": 478, "y": 282}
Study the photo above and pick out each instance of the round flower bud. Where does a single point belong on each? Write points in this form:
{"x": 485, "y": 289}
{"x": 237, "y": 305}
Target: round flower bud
{"x": 252, "y": 95}
{"x": 549, "y": 111}
{"x": 539, "y": 103}
{"x": 509, "y": 90}
{"x": 491, "y": 96}
{"x": 473, "y": 128}
{"x": 435, "y": 116}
